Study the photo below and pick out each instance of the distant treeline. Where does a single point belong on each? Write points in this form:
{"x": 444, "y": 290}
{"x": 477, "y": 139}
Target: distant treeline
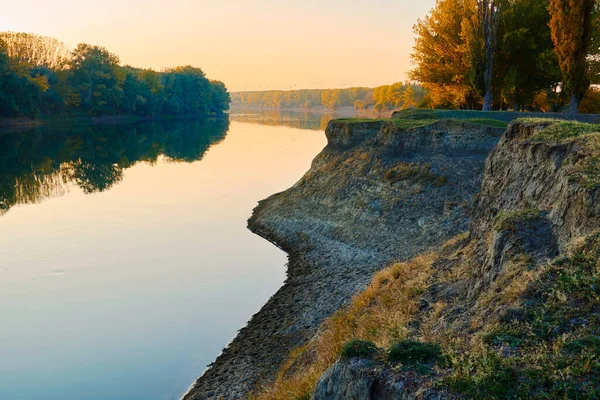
{"x": 40, "y": 76}
{"x": 520, "y": 54}
{"x": 398, "y": 95}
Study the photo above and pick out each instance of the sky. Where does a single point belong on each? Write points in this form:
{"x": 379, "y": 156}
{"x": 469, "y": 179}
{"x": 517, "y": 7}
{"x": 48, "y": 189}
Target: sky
{"x": 248, "y": 44}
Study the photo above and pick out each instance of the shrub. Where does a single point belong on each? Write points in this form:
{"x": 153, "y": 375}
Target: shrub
{"x": 359, "y": 349}
{"x": 412, "y": 352}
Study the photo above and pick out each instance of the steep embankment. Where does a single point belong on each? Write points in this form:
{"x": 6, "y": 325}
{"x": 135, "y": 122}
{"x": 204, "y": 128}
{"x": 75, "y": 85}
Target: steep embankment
{"x": 511, "y": 310}
{"x": 379, "y": 192}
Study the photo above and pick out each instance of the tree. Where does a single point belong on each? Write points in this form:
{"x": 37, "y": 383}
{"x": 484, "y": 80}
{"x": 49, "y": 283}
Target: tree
{"x": 330, "y": 99}
{"x": 594, "y": 56}
{"x": 442, "y": 54}
{"x": 571, "y": 28}
{"x": 487, "y": 12}
{"x": 35, "y": 50}
{"x": 219, "y": 97}
{"x": 526, "y": 62}
{"x": 187, "y": 91}
{"x": 408, "y": 98}
{"x": 21, "y": 88}
{"x": 96, "y": 77}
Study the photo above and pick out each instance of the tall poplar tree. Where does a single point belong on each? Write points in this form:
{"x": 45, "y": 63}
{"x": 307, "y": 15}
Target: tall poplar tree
{"x": 571, "y": 27}
{"x": 488, "y": 13}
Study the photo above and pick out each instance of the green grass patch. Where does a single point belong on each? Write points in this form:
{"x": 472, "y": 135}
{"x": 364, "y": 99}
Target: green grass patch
{"x": 412, "y": 123}
{"x": 559, "y": 131}
{"x": 427, "y": 119}
{"x": 549, "y": 347}
{"x": 509, "y": 220}
{"x": 360, "y": 120}
{"x": 412, "y": 352}
{"x": 417, "y": 114}
{"x": 359, "y": 349}
{"x": 493, "y": 123}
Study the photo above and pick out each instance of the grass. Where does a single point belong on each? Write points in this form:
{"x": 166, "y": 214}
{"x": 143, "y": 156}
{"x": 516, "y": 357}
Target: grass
{"x": 534, "y": 333}
{"x": 416, "y": 172}
{"x": 549, "y": 346}
{"x": 510, "y": 220}
{"x": 398, "y": 122}
{"x": 494, "y": 123}
{"x": 557, "y": 131}
{"x": 379, "y": 315}
{"x": 359, "y": 349}
{"x": 408, "y": 123}
{"x": 410, "y": 352}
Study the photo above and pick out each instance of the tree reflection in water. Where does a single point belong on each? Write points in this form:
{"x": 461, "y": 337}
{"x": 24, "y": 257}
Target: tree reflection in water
{"x": 41, "y": 163}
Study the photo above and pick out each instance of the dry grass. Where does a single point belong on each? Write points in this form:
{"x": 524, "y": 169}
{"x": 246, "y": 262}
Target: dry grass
{"x": 419, "y": 173}
{"x": 378, "y": 314}
{"x": 531, "y": 333}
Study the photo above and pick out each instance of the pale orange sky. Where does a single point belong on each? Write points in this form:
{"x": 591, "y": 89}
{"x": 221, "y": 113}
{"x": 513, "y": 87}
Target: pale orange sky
{"x": 249, "y": 45}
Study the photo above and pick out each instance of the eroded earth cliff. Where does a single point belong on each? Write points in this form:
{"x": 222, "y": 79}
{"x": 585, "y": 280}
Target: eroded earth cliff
{"x": 380, "y": 192}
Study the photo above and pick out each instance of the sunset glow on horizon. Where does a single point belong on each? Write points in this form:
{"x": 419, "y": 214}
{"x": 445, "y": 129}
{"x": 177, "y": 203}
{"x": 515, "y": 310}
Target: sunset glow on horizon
{"x": 258, "y": 45}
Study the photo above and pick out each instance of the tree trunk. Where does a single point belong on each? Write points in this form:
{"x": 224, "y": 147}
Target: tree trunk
{"x": 487, "y": 100}
{"x": 470, "y": 102}
{"x": 574, "y": 104}
{"x": 489, "y": 10}
{"x": 516, "y": 106}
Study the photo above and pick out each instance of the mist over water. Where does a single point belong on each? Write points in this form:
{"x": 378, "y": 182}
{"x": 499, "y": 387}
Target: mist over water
{"x": 125, "y": 262}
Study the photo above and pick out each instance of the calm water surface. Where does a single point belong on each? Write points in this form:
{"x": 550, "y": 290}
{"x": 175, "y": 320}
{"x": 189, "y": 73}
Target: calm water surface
{"x": 125, "y": 262}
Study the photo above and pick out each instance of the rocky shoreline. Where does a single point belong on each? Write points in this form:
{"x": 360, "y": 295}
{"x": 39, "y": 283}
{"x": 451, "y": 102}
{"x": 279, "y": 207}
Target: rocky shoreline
{"x": 377, "y": 193}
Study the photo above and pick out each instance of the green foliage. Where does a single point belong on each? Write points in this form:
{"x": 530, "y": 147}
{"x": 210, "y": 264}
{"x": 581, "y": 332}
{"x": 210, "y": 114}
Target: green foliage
{"x": 410, "y": 352}
{"x": 359, "y": 349}
{"x": 96, "y": 78}
{"x": 535, "y": 41}
{"x": 38, "y": 76}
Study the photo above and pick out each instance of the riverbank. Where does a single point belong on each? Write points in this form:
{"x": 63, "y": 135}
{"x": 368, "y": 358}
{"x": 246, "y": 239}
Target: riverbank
{"x": 414, "y": 184}
{"x": 507, "y": 310}
{"x": 28, "y": 123}
{"x": 340, "y": 112}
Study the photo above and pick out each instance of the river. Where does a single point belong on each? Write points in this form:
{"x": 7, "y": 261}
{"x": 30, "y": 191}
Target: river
{"x": 125, "y": 262}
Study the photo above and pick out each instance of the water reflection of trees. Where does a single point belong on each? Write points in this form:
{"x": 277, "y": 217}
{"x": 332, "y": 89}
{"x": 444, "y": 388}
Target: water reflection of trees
{"x": 42, "y": 163}
{"x": 293, "y": 119}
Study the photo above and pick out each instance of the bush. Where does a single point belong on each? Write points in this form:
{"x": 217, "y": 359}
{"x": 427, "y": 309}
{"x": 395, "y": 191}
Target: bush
{"x": 411, "y": 352}
{"x": 359, "y": 349}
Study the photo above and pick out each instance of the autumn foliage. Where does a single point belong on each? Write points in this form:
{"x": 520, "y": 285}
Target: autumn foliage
{"x": 540, "y": 53}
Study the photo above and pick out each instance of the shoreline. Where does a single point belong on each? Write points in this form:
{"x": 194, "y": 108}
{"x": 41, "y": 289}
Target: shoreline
{"x": 25, "y": 123}
{"x": 339, "y": 229}
{"x": 341, "y": 112}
